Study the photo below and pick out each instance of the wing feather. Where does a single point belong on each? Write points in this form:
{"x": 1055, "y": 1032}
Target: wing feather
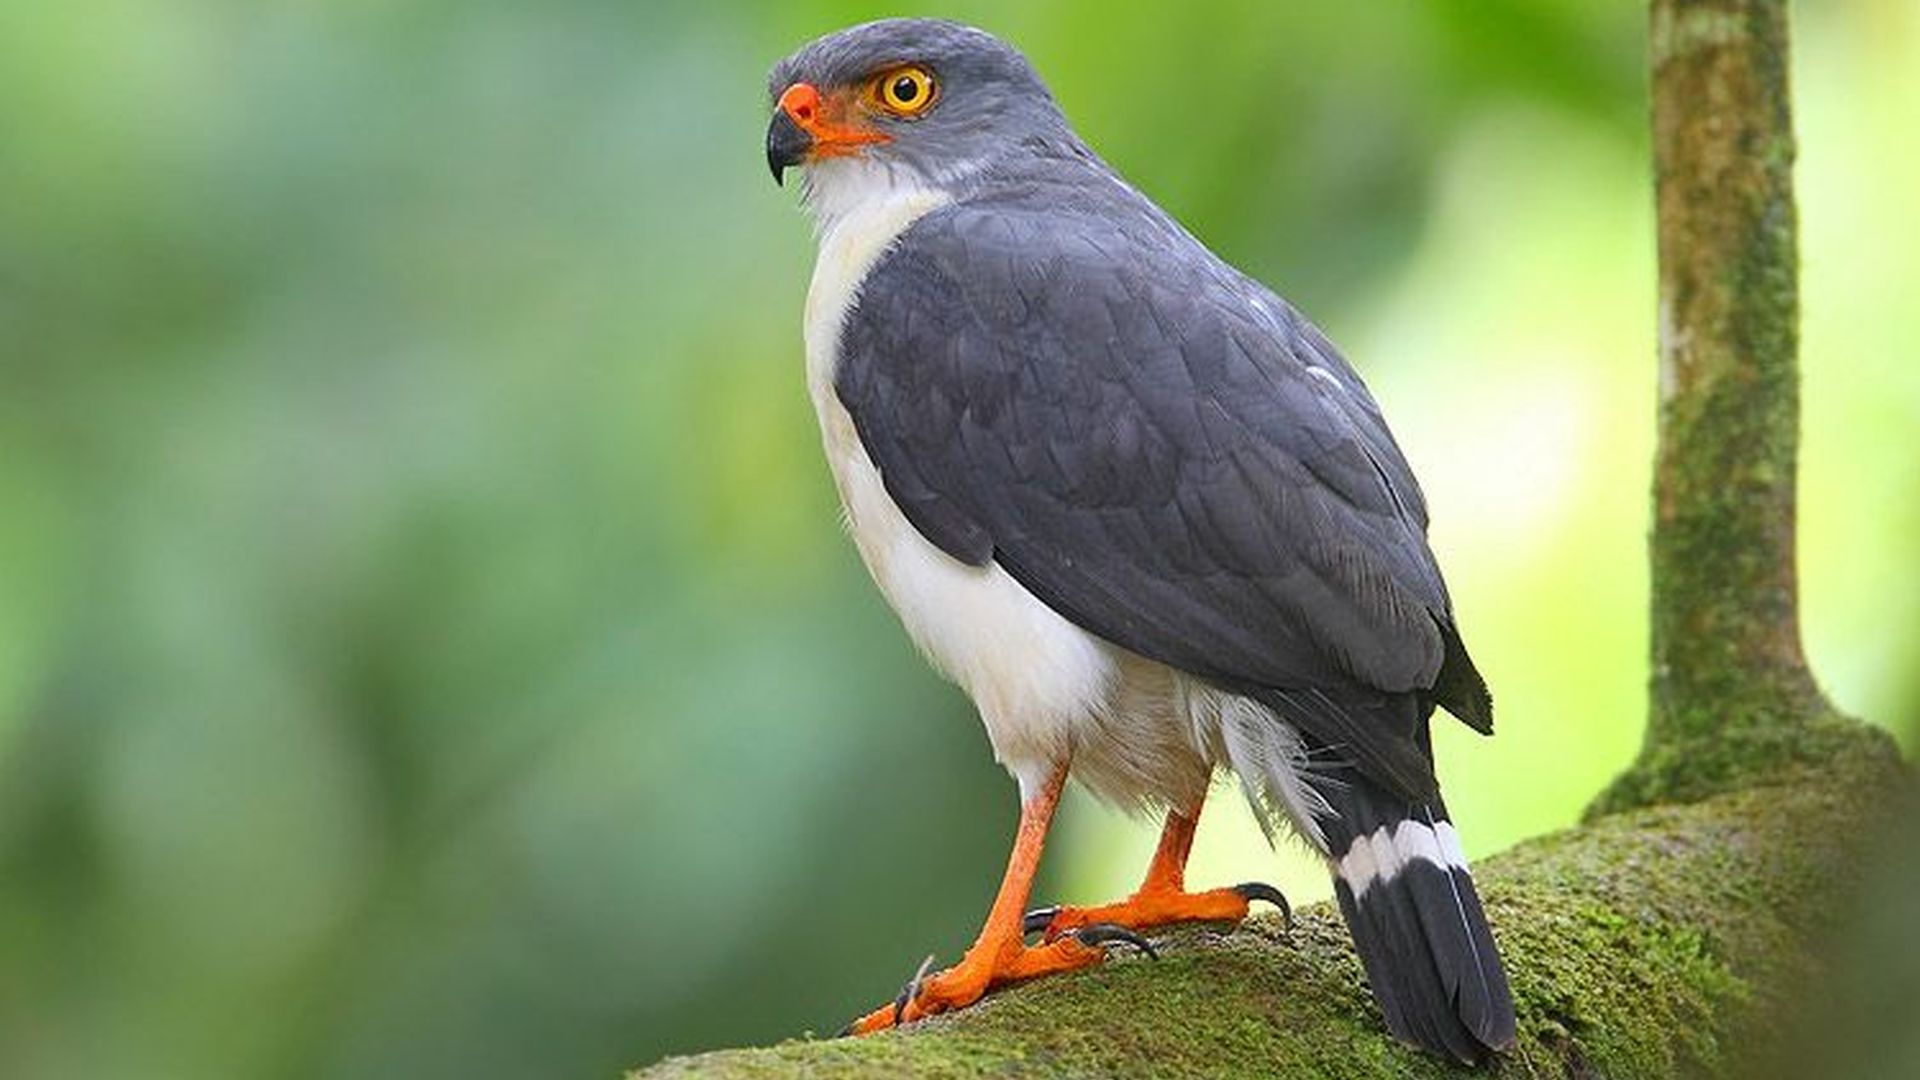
{"x": 1164, "y": 452}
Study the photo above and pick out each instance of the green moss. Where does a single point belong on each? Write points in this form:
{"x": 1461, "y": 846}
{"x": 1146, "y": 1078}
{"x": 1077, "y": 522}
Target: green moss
{"x": 1731, "y": 692}
{"x": 1652, "y": 943}
{"x": 1676, "y": 770}
{"x": 1662, "y": 938}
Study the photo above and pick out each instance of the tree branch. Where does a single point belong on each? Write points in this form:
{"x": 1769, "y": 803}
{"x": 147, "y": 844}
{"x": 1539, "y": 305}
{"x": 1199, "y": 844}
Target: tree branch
{"x": 1663, "y": 936}
{"x": 1654, "y": 943}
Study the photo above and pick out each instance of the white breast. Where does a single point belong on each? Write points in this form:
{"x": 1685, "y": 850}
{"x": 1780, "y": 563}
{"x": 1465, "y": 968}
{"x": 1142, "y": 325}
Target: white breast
{"x": 1138, "y": 733}
{"x": 1035, "y": 677}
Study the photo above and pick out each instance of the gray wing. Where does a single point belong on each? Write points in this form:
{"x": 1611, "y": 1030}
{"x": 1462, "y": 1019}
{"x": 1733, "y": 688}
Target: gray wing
{"x": 1166, "y": 454}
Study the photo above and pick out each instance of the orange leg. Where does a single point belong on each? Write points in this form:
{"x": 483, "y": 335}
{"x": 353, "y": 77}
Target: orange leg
{"x": 1000, "y": 954}
{"x": 1163, "y": 897}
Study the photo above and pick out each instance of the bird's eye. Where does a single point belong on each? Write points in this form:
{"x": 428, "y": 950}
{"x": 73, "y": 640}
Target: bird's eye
{"x": 905, "y": 90}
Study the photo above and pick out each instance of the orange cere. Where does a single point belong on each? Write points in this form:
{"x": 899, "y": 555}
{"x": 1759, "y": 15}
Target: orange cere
{"x": 833, "y": 120}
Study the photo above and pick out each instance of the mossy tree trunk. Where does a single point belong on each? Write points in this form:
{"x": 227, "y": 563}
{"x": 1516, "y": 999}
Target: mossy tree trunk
{"x": 1662, "y": 937}
{"x": 1730, "y": 685}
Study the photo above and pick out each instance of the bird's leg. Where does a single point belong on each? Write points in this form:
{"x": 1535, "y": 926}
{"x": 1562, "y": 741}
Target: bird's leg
{"x": 1163, "y": 897}
{"x": 1000, "y": 954}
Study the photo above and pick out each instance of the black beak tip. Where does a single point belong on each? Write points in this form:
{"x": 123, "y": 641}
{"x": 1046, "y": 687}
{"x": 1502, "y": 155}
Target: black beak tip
{"x": 787, "y": 145}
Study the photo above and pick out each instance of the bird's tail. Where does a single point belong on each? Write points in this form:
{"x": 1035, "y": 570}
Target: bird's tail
{"x": 1416, "y": 920}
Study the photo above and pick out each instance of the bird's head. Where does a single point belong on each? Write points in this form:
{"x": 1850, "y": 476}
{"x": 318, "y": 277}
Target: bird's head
{"x": 904, "y": 101}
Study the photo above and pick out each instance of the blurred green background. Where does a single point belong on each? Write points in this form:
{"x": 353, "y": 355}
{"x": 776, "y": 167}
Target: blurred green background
{"x": 427, "y": 647}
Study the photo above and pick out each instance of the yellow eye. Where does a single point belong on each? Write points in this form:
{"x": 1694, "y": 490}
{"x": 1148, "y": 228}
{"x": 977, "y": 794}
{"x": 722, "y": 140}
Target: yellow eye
{"x": 905, "y": 90}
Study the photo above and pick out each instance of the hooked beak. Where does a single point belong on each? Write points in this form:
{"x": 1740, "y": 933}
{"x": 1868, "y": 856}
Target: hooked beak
{"x": 787, "y": 145}
{"x": 806, "y": 127}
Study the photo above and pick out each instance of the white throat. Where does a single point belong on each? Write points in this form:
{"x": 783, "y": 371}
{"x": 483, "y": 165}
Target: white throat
{"x": 836, "y": 189}
{"x": 860, "y": 208}
{"x": 1031, "y": 673}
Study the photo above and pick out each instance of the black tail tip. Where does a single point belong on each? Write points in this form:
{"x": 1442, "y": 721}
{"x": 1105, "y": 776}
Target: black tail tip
{"x": 1431, "y": 961}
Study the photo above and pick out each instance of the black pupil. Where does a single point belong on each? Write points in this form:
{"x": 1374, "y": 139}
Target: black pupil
{"x": 905, "y": 89}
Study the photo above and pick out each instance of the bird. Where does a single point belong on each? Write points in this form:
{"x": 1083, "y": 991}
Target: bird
{"x": 1139, "y": 508}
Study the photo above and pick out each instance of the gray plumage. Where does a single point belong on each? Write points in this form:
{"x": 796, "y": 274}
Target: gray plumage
{"x": 989, "y": 89}
{"x": 1054, "y": 375}
{"x": 1053, "y": 378}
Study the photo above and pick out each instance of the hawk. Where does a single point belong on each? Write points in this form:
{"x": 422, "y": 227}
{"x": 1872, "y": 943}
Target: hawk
{"x": 1138, "y": 507}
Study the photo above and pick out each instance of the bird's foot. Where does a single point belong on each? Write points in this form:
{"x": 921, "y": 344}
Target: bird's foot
{"x": 983, "y": 969}
{"x": 1149, "y": 908}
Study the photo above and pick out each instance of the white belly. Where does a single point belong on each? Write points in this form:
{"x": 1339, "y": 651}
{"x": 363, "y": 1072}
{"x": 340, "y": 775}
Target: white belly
{"x": 1035, "y": 677}
{"x": 1137, "y": 732}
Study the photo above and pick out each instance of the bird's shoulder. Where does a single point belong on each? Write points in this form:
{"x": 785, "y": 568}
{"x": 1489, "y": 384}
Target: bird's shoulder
{"x": 1085, "y": 300}
{"x": 1087, "y": 232}
{"x": 1151, "y": 443}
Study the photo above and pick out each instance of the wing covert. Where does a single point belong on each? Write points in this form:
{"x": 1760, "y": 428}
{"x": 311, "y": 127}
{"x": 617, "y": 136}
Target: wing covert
{"x": 1156, "y": 447}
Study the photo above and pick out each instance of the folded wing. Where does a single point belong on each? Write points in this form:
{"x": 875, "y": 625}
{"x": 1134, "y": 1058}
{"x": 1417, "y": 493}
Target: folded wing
{"x": 1165, "y": 453}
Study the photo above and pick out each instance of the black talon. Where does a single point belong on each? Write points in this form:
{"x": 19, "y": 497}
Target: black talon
{"x": 907, "y": 993}
{"x": 1038, "y": 919}
{"x": 1106, "y": 933}
{"x": 911, "y": 990}
{"x": 1254, "y": 890}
